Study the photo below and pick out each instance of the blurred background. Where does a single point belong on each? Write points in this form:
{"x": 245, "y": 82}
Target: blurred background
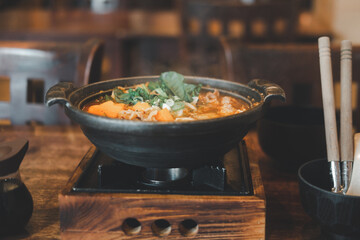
{"x": 236, "y": 40}
{"x": 144, "y": 37}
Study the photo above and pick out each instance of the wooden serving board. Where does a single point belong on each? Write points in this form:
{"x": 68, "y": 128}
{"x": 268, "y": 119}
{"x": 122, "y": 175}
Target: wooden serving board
{"x": 102, "y": 215}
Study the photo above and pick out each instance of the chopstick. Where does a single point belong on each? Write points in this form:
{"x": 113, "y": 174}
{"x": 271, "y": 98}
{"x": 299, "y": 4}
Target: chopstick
{"x": 329, "y": 113}
{"x": 346, "y": 133}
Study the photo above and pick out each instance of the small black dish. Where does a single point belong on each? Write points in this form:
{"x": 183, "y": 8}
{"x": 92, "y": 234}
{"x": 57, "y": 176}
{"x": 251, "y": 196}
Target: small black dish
{"x": 337, "y": 214}
{"x": 292, "y": 135}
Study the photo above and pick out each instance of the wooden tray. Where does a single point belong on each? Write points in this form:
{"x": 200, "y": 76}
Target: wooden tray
{"x": 123, "y": 215}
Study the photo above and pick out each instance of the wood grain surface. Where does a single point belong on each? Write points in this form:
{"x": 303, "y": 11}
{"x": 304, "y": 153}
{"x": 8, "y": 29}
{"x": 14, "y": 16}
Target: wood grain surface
{"x": 55, "y": 151}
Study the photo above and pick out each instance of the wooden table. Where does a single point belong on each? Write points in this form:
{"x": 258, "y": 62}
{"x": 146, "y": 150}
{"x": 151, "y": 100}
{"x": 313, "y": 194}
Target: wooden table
{"x": 55, "y": 151}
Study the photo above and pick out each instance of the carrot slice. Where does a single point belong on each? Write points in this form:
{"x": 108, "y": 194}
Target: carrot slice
{"x": 96, "y": 110}
{"x": 108, "y": 109}
{"x": 141, "y": 106}
{"x": 164, "y": 115}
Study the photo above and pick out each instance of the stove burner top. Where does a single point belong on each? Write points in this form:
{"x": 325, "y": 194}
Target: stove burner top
{"x": 164, "y": 177}
{"x": 227, "y": 176}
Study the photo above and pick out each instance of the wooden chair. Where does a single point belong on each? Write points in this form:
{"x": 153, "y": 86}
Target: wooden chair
{"x": 29, "y": 69}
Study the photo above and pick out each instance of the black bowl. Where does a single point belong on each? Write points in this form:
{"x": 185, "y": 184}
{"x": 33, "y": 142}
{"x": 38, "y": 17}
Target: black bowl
{"x": 292, "y": 135}
{"x": 164, "y": 144}
{"x": 337, "y": 214}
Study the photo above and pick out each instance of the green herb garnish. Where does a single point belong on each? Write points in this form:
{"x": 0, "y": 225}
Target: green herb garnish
{"x": 170, "y": 86}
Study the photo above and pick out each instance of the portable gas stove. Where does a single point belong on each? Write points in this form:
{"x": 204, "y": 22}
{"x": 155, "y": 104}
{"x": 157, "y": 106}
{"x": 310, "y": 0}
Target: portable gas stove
{"x": 107, "y": 199}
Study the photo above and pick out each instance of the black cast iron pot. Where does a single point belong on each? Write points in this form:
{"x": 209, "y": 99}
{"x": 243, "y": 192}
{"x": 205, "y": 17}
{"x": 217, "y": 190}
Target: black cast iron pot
{"x": 164, "y": 144}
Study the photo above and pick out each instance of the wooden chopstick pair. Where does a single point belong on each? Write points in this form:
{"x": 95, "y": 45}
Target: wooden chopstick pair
{"x": 340, "y": 175}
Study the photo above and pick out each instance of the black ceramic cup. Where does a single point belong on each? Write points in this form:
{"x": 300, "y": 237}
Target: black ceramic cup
{"x": 337, "y": 214}
{"x": 292, "y": 135}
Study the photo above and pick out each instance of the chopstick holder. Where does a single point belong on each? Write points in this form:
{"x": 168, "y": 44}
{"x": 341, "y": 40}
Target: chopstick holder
{"x": 346, "y": 132}
{"x": 329, "y": 113}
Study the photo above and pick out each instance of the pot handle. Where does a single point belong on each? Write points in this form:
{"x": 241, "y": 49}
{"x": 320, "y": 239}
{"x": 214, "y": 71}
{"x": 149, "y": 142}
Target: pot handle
{"x": 268, "y": 89}
{"x": 58, "y": 93}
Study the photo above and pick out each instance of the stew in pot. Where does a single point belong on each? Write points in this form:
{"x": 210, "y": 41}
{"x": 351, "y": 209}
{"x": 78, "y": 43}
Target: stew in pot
{"x": 168, "y": 99}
